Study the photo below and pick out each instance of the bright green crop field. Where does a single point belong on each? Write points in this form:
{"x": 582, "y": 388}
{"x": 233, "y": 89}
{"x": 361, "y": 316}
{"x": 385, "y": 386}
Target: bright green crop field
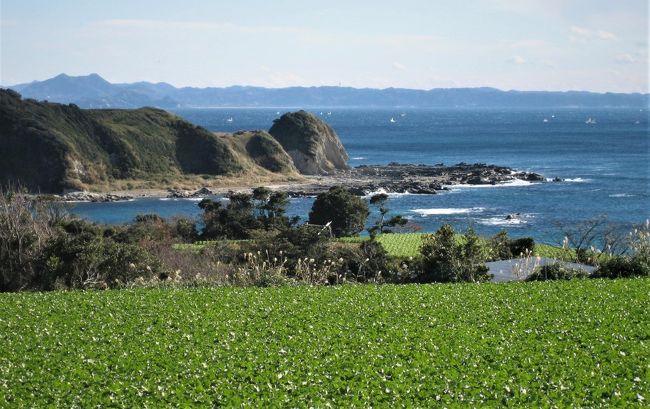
{"x": 573, "y": 343}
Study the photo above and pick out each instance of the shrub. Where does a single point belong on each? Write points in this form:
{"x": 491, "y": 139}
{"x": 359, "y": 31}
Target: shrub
{"x": 185, "y": 229}
{"x": 556, "y": 271}
{"x": 634, "y": 264}
{"x": 524, "y": 245}
{"x": 444, "y": 259}
{"x": 26, "y": 225}
{"x": 86, "y": 259}
{"x": 346, "y": 213}
{"x": 622, "y": 267}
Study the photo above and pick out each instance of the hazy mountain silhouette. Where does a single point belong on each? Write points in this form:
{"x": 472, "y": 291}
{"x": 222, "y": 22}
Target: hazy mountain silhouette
{"x": 92, "y": 91}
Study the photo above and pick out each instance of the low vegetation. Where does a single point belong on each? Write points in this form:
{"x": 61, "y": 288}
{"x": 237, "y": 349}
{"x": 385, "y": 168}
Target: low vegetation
{"x": 557, "y": 344}
{"x": 249, "y": 241}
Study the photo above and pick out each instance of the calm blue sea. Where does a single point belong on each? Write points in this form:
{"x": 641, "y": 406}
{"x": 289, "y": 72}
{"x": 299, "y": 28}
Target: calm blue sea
{"x": 606, "y": 164}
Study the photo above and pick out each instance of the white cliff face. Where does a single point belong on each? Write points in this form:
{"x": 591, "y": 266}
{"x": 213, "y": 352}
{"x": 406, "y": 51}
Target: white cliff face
{"x": 312, "y": 144}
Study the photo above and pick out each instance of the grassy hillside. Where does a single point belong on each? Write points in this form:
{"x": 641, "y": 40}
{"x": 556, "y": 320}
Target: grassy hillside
{"x": 569, "y": 343}
{"x": 52, "y": 147}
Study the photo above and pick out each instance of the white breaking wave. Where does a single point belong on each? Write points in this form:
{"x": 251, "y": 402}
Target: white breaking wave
{"x": 381, "y": 190}
{"x": 512, "y": 183}
{"x": 577, "y": 180}
{"x": 501, "y": 221}
{"x": 621, "y": 195}
{"x": 359, "y": 158}
{"x": 445, "y": 211}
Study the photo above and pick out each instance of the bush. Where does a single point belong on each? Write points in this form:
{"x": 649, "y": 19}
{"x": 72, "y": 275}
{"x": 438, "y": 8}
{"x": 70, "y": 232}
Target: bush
{"x": 86, "y": 259}
{"x": 622, "y": 267}
{"x": 634, "y": 264}
{"x": 26, "y": 225}
{"x": 444, "y": 259}
{"x": 556, "y": 271}
{"x": 524, "y": 245}
{"x": 346, "y": 213}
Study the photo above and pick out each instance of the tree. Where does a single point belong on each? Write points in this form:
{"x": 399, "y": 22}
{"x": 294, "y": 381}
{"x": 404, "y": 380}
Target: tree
{"x": 235, "y": 221}
{"x": 382, "y": 225}
{"x": 271, "y": 208}
{"x": 263, "y": 210}
{"x": 445, "y": 259}
{"x": 346, "y": 212}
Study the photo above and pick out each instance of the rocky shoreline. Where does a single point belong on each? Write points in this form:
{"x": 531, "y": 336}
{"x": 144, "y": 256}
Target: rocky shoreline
{"x": 362, "y": 180}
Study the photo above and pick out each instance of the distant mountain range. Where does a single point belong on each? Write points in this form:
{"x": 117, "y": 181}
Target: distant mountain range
{"x": 92, "y": 91}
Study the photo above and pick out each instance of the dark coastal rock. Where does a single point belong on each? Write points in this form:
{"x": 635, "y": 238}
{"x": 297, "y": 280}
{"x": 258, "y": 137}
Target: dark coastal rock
{"x": 427, "y": 179}
{"x": 187, "y": 194}
{"x": 94, "y": 197}
{"x": 312, "y": 144}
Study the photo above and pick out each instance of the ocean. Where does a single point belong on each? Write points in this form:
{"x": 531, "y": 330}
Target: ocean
{"x": 604, "y": 164}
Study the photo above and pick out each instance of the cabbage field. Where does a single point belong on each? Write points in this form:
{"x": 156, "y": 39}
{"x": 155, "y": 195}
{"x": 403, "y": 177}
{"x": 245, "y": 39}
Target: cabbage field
{"x": 572, "y": 343}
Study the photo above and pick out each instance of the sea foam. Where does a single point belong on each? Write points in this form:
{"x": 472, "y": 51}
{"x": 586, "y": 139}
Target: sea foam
{"x": 447, "y": 211}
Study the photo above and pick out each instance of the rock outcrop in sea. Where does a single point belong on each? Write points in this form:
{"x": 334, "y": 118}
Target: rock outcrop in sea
{"x": 312, "y": 144}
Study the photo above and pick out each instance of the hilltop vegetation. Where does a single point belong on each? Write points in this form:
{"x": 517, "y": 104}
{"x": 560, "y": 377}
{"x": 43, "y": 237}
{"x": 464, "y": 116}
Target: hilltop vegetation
{"x": 51, "y": 147}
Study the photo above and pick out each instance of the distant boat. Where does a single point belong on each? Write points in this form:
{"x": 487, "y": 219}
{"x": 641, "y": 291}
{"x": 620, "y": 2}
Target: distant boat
{"x": 393, "y": 120}
{"x": 590, "y": 121}
{"x": 545, "y": 119}
{"x": 552, "y": 116}
{"x": 229, "y": 119}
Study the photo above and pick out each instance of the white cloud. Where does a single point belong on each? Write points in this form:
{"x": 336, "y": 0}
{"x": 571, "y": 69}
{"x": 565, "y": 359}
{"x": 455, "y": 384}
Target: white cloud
{"x": 399, "y": 66}
{"x": 583, "y": 34}
{"x": 516, "y": 59}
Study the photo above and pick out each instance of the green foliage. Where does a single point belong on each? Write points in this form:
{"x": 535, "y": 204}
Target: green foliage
{"x": 622, "y": 267}
{"x": 346, "y": 212}
{"x": 84, "y": 258}
{"x": 26, "y": 225}
{"x": 634, "y": 264}
{"x": 244, "y": 214}
{"x": 445, "y": 259}
{"x": 580, "y": 343}
{"x": 523, "y": 245}
{"x": 382, "y": 225}
{"x": 556, "y": 271}
{"x": 500, "y": 245}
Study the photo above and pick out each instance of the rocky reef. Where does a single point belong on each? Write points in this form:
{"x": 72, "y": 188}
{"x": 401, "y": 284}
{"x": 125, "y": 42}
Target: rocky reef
{"x": 417, "y": 179}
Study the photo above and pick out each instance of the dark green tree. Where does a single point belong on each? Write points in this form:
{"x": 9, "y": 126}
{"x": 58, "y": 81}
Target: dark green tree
{"x": 383, "y": 225}
{"x": 446, "y": 259}
{"x": 346, "y": 213}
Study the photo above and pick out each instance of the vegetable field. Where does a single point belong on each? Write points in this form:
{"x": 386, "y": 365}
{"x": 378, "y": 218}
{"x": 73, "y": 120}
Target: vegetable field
{"x": 569, "y": 343}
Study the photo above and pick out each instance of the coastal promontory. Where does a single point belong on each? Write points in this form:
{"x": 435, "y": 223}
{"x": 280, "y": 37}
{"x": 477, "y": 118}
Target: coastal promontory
{"x": 52, "y": 148}
{"x": 313, "y": 145}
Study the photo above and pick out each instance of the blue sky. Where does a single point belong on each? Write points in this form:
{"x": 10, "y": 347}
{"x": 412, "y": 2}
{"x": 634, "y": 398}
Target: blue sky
{"x": 594, "y": 45}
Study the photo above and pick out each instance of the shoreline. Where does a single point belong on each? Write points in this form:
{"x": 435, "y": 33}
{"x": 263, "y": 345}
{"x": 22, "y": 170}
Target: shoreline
{"x": 361, "y": 180}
